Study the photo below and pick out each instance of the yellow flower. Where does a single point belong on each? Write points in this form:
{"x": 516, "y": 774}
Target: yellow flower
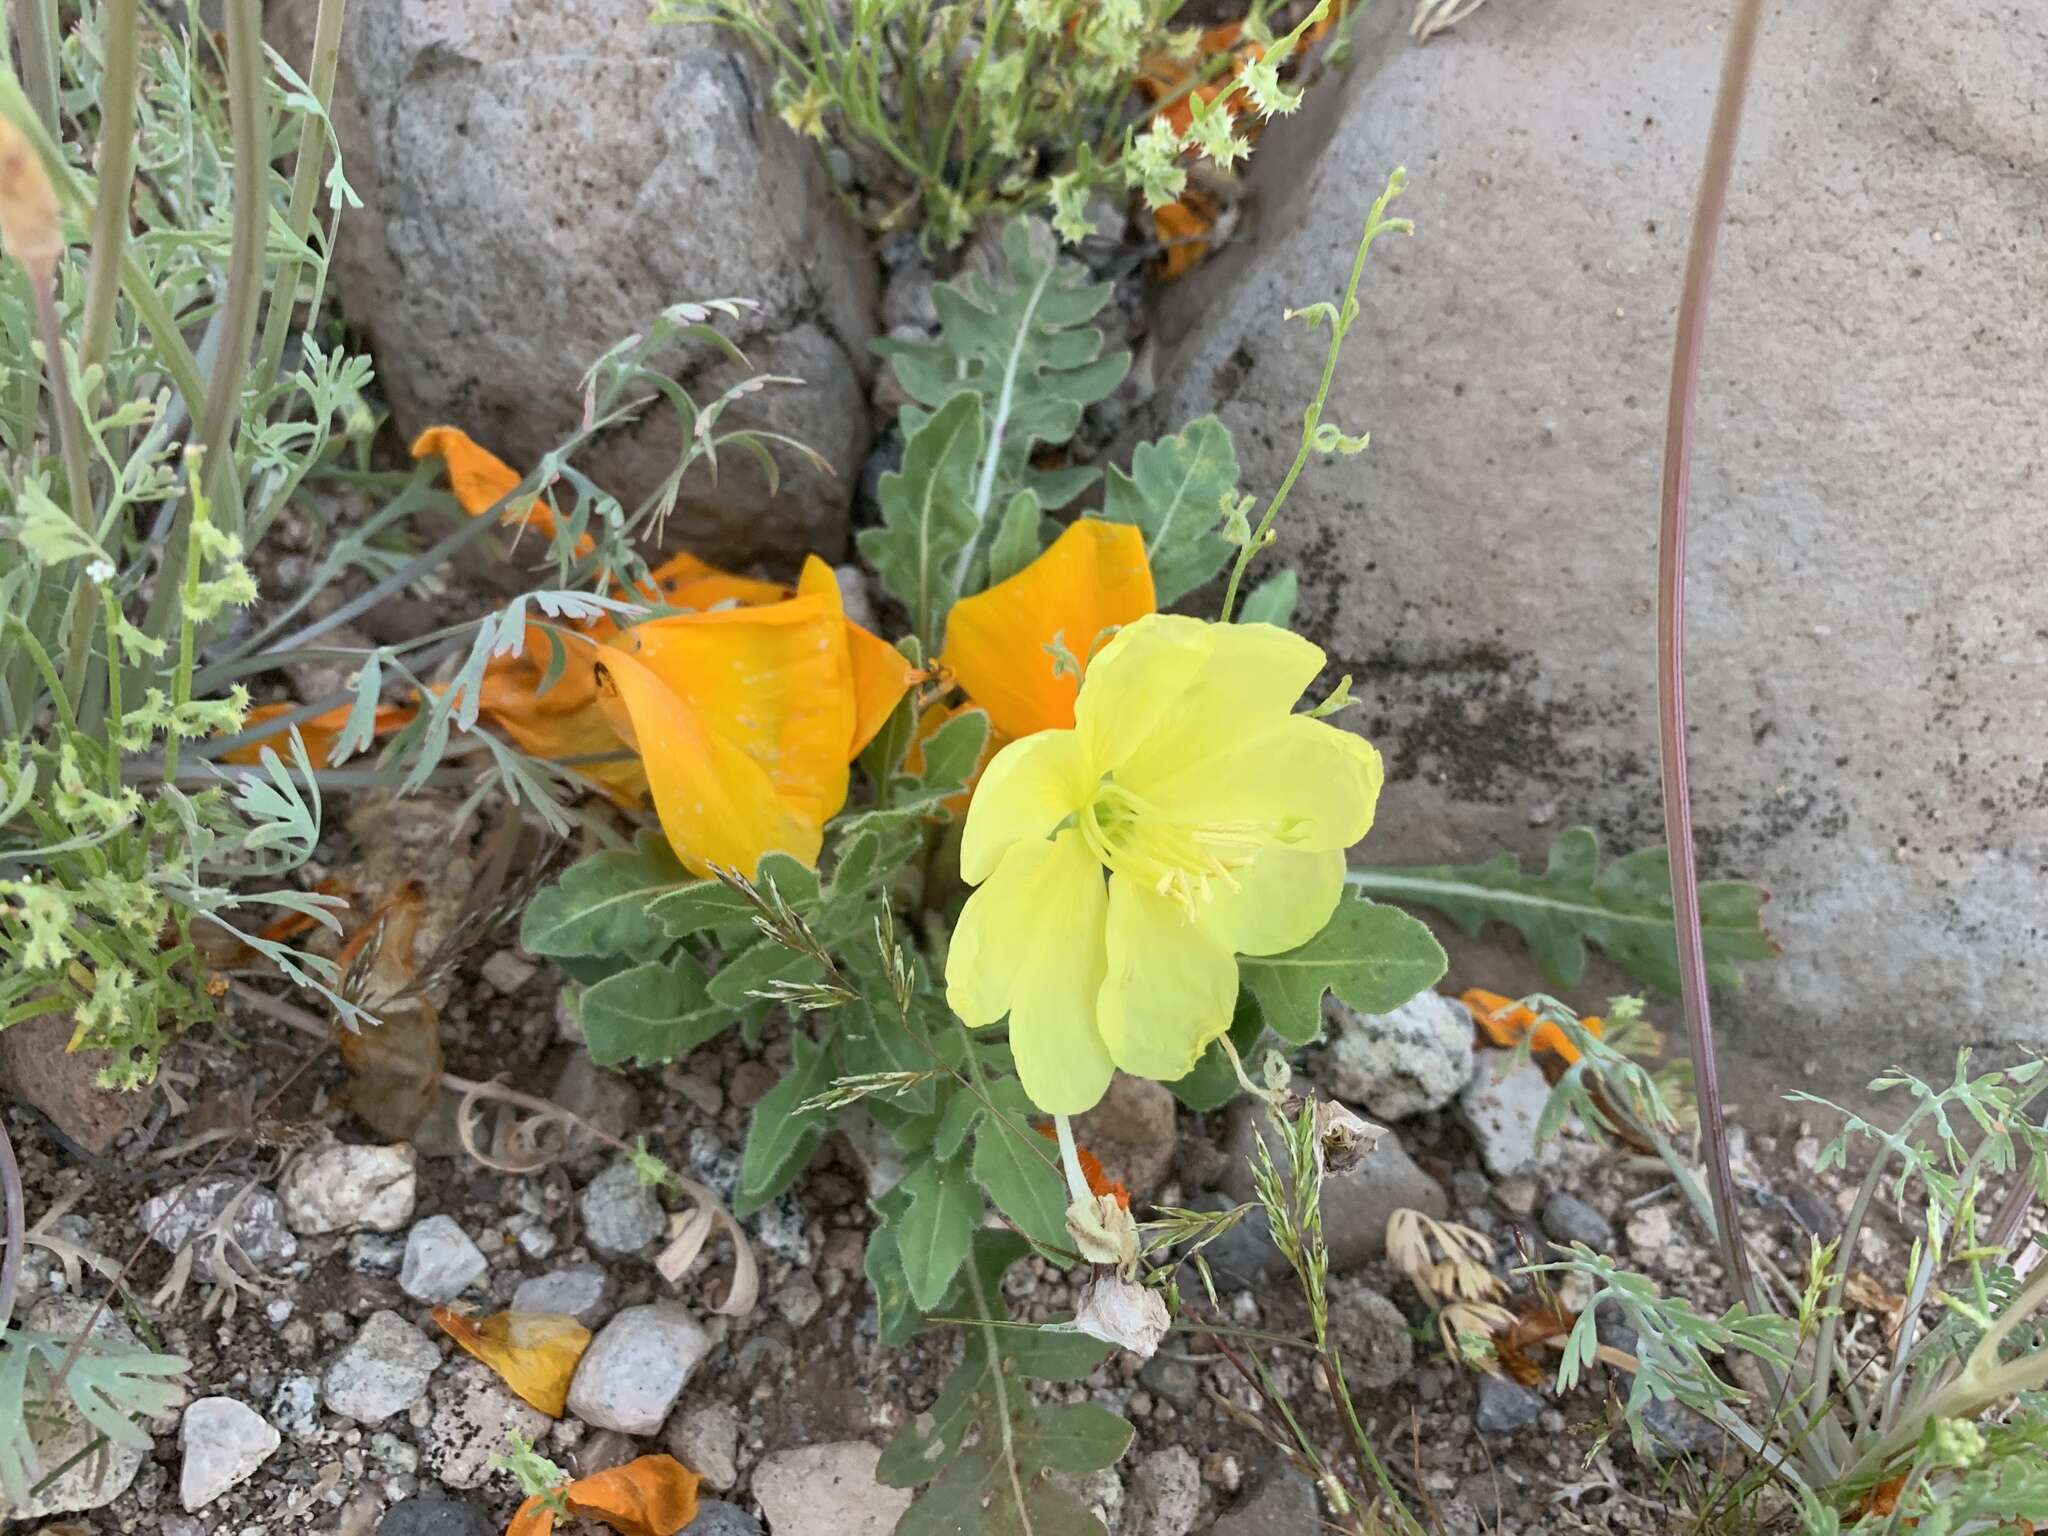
{"x": 1187, "y": 818}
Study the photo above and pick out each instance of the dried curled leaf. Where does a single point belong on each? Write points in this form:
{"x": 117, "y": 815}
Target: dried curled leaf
{"x": 534, "y": 1353}
{"x": 653, "y": 1496}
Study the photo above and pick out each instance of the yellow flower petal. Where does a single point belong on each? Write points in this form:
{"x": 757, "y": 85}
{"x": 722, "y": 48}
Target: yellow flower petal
{"x": 1093, "y": 578}
{"x": 1169, "y": 691}
{"x": 1029, "y": 788}
{"x": 1171, "y": 985}
{"x": 881, "y": 675}
{"x": 718, "y": 807}
{"x": 534, "y": 1352}
{"x": 1282, "y": 899}
{"x": 1322, "y": 781}
{"x": 1034, "y": 904}
{"x": 774, "y": 682}
{"x": 569, "y": 720}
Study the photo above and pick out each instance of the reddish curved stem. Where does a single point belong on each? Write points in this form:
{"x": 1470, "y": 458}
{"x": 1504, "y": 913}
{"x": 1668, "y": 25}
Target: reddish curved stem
{"x": 1678, "y": 430}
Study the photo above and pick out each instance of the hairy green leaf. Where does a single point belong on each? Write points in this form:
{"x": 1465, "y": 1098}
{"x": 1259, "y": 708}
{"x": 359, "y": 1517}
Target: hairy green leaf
{"x": 1022, "y": 1179}
{"x": 981, "y": 1452}
{"x": 897, "y": 1316}
{"x": 1624, "y": 909}
{"x": 753, "y": 968}
{"x": 1271, "y": 601}
{"x": 1174, "y": 494}
{"x": 782, "y": 1137}
{"x": 1375, "y": 958}
{"x": 933, "y": 1232}
{"x": 651, "y": 1013}
{"x": 1018, "y": 539}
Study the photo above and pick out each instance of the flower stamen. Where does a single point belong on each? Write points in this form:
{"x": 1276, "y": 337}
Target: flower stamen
{"x": 1180, "y": 860}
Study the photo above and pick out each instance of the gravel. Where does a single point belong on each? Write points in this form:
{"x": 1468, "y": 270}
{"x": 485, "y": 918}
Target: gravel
{"x": 636, "y": 1367}
{"x": 1505, "y": 1407}
{"x": 1568, "y": 1219}
{"x": 621, "y": 1216}
{"x": 440, "y": 1261}
{"x": 827, "y": 1490}
{"x": 383, "y": 1371}
{"x": 706, "y": 1439}
{"x": 349, "y": 1188}
{"x": 223, "y": 1443}
{"x": 257, "y": 1225}
{"x": 1502, "y": 1114}
{"x": 583, "y": 1293}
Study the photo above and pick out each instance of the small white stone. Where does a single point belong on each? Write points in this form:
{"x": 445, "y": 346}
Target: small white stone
{"x": 1502, "y": 1113}
{"x": 828, "y": 1490}
{"x": 506, "y": 972}
{"x": 440, "y": 1261}
{"x": 383, "y": 1371}
{"x": 635, "y": 1368}
{"x": 224, "y": 1442}
{"x": 348, "y": 1188}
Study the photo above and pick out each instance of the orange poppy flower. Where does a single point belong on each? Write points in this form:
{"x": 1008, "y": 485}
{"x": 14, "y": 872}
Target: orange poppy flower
{"x": 1504, "y": 1021}
{"x": 1006, "y": 645}
{"x": 653, "y": 1496}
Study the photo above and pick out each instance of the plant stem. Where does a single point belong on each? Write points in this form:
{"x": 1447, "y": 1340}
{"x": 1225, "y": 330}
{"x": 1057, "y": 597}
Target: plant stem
{"x": 35, "y": 21}
{"x": 1685, "y": 368}
{"x": 1070, "y": 1159}
{"x": 121, "y": 36}
{"x": 249, "y": 124}
{"x": 310, "y": 161}
{"x": 1375, "y": 225}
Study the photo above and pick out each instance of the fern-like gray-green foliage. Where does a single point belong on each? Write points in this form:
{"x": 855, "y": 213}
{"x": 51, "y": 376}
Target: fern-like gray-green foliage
{"x": 1020, "y": 347}
{"x": 109, "y": 1387}
{"x": 1625, "y": 909}
{"x": 988, "y": 1456}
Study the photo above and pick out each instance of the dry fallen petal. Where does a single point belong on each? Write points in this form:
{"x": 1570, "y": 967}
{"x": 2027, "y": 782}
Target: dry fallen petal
{"x": 535, "y": 1353}
{"x": 654, "y": 1496}
{"x": 1122, "y": 1313}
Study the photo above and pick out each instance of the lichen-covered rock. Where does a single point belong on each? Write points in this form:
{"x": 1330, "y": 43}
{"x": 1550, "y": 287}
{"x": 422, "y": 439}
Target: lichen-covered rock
{"x": 540, "y": 182}
{"x": 1867, "y": 467}
{"x": 1408, "y": 1062}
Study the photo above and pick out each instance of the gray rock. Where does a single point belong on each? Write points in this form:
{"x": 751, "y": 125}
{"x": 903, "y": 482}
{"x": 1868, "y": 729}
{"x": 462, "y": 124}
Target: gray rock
{"x": 583, "y": 1293}
{"x": 376, "y": 1253}
{"x": 621, "y": 1216}
{"x": 224, "y": 1442}
{"x": 440, "y": 1261}
{"x": 827, "y": 1490}
{"x": 1176, "y": 1381}
{"x": 348, "y": 1188}
{"x": 1408, "y": 1062}
{"x": 1166, "y": 1493}
{"x": 605, "y": 1099}
{"x": 907, "y": 299}
{"x": 1671, "y": 1430}
{"x": 636, "y": 1367}
{"x": 1131, "y": 1133}
{"x": 427, "y": 1516}
{"x": 715, "y": 1517}
{"x": 1280, "y": 1502}
{"x": 1501, "y": 1109}
{"x": 383, "y": 1371}
{"x": 295, "y": 1406}
{"x": 1505, "y": 1407}
{"x": 62, "y": 1435}
{"x": 1568, "y": 1219}
{"x": 659, "y": 175}
{"x": 798, "y": 1300}
{"x": 473, "y": 1414}
{"x": 256, "y": 1226}
{"x": 706, "y": 1439}
{"x": 1531, "y": 407}
{"x": 1355, "y": 1206}
{"x": 1378, "y": 1348}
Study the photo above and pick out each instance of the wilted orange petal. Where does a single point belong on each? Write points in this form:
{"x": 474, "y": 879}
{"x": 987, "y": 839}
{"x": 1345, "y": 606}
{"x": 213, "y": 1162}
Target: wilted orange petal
{"x": 533, "y": 1519}
{"x": 653, "y": 1496}
{"x": 568, "y": 721}
{"x": 718, "y": 807}
{"x": 684, "y": 581}
{"x": 534, "y": 1352}
{"x": 774, "y": 682}
{"x": 480, "y": 480}
{"x": 880, "y": 674}
{"x": 319, "y": 733}
{"x": 1094, "y": 578}
{"x": 1099, "y": 1183}
{"x": 1504, "y": 1021}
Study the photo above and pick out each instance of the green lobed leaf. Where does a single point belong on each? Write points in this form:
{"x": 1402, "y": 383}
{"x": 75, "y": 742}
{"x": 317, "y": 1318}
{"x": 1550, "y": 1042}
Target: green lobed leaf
{"x": 1375, "y": 958}
{"x": 952, "y": 751}
{"x": 933, "y": 1233}
{"x": 782, "y": 1137}
{"x": 928, "y": 522}
{"x": 1625, "y": 909}
{"x": 982, "y": 1451}
{"x": 1174, "y": 493}
{"x": 651, "y": 1013}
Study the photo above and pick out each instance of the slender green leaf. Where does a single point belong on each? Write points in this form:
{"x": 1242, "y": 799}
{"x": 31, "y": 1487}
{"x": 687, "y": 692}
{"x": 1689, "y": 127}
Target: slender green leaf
{"x": 782, "y": 1137}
